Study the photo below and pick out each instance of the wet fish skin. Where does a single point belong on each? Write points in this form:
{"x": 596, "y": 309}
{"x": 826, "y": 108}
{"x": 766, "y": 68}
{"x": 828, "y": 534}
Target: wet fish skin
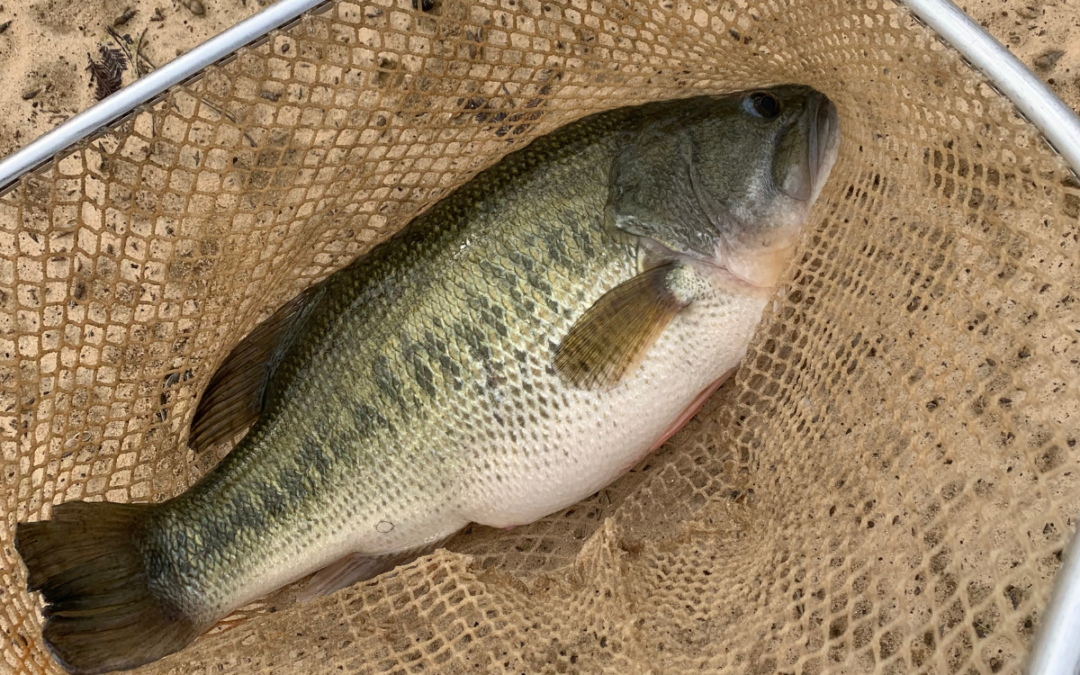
{"x": 420, "y": 393}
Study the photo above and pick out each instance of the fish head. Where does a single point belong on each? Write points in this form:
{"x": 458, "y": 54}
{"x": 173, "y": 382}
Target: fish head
{"x": 727, "y": 181}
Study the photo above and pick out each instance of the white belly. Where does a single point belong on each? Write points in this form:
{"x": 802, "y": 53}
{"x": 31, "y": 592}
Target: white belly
{"x": 602, "y": 434}
{"x": 593, "y": 438}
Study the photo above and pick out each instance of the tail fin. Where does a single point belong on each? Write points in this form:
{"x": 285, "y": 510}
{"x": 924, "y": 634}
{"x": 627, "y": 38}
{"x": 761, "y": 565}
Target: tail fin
{"x": 100, "y": 613}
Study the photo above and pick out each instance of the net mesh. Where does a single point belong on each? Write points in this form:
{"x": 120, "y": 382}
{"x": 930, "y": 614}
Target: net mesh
{"x": 885, "y": 487}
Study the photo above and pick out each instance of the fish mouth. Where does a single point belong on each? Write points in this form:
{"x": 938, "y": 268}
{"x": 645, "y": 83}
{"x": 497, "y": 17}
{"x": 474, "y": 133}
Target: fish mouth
{"x": 824, "y": 143}
{"x": 759, "y": 261}
{"x": 819, "y": 126}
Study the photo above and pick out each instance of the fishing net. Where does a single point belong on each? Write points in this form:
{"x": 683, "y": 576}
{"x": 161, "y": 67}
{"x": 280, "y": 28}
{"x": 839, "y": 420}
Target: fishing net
{"x": 885, "y": 487}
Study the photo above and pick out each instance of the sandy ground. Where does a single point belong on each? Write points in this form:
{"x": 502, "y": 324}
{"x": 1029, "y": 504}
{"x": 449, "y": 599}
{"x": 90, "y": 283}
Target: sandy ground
{"x": 44, "y": 47}
{"x": 1045, "y": 35}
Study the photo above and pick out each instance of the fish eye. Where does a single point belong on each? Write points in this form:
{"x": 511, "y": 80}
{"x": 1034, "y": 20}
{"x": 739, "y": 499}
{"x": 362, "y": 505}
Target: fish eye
{"x": 762, "y": 104}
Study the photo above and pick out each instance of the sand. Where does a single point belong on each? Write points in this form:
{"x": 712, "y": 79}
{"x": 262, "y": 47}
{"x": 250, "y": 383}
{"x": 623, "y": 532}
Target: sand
{"x": 45, "y": 46}
{"x": 1045, "y": 35}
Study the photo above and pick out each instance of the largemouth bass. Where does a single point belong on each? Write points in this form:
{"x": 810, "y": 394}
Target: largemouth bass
{"x": 512, "y": 351}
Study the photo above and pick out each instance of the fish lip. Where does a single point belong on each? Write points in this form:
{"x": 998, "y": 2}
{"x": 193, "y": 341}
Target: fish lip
{"x": 821, "y": 144}
{"x": 824, "y": 143}
{"x": 813, "y": 149}
{"x": 806, "y": 191}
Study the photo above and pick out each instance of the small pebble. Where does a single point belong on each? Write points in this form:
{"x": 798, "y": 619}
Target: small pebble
{"x": 195, "y": 6}
{"x": 1047, "y": 60}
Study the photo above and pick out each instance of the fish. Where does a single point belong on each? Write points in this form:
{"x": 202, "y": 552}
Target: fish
{"x": 514, "y": 349}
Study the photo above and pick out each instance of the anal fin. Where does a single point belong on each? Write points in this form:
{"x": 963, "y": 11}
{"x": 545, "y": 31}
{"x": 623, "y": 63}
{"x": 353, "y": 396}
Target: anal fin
{"x": 357, "y": 567}
{"x": 691, "y": 410}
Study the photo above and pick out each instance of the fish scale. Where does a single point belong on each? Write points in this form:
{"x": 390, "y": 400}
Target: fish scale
{"x": 409, "y": 404}
{"x": 515, "y": 349}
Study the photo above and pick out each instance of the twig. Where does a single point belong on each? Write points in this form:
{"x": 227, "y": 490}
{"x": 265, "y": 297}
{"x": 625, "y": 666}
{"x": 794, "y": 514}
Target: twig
{"x": 123, "y": 41}
{"x": 138, "y": 54}
{"x": 227, "y": 115}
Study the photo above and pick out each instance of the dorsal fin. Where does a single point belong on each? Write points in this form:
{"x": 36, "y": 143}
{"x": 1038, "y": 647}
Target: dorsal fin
{"x": 234, "y": 398}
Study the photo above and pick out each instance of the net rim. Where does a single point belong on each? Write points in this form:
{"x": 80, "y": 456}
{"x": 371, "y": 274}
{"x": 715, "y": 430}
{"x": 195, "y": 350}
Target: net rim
{"x": 1008, "y": 74}
{"x": 1055, "y": 651}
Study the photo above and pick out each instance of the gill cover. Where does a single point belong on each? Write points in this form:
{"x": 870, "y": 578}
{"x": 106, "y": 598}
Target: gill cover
{"x": 730, "y": 175}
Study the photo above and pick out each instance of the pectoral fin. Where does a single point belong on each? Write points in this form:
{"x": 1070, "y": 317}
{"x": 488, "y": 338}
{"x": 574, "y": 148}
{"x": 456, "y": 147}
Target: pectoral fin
{"x": 612, "y": 336}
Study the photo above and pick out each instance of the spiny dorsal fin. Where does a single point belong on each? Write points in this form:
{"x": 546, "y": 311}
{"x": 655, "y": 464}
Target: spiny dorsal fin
{"x": 234, "y": 397}
{"x": 613, "y": 335}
